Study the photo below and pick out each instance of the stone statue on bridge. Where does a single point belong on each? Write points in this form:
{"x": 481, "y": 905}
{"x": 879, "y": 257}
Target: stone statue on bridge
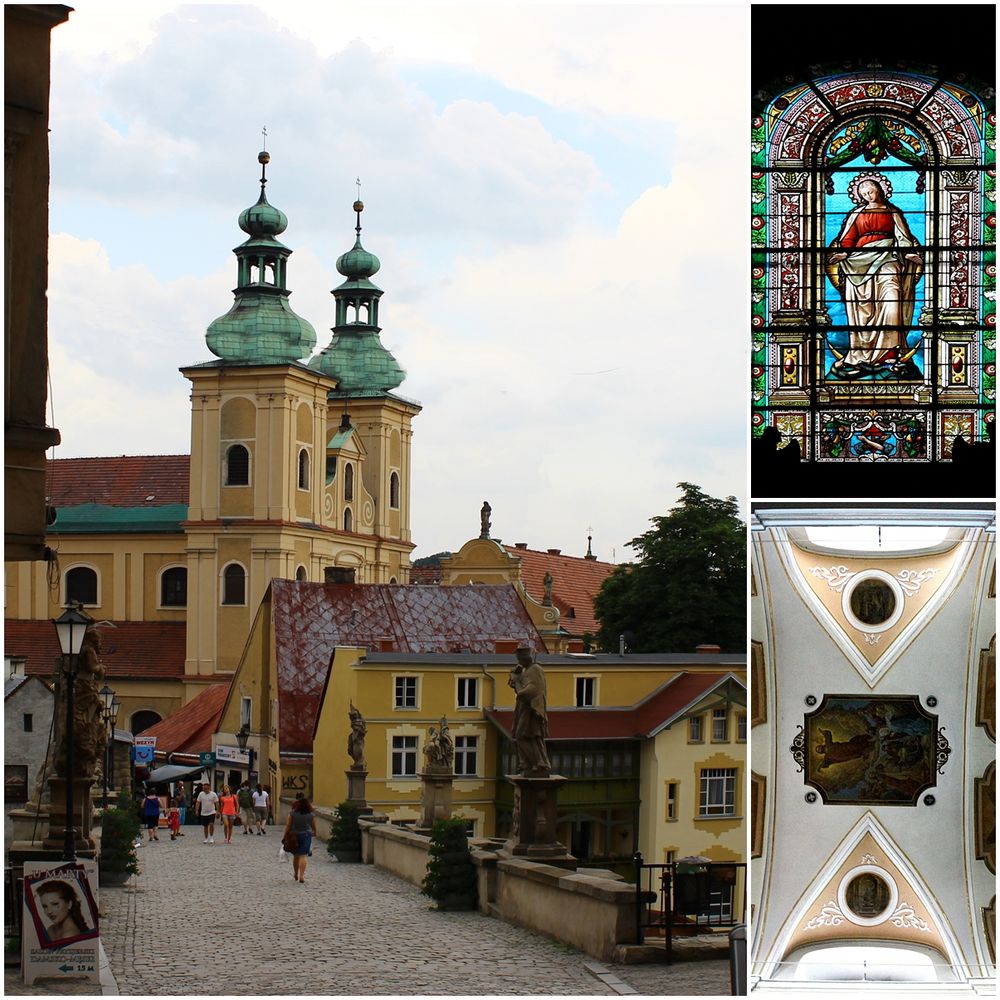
{"x": 531, "y": 724}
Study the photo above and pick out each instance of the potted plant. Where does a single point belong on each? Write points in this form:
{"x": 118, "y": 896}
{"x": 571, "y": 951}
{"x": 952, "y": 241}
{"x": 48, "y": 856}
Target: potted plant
{"x": 119, "y": 830}
{"x": 345, "y": 834}
{"x": 451, "y": 878}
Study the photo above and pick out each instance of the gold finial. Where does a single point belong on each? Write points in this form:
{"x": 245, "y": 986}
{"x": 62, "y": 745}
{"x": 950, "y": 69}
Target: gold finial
{"x": 359, "y": 205}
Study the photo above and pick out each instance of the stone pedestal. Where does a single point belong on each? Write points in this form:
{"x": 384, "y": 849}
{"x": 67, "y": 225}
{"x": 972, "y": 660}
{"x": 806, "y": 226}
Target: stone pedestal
{"x": 82, "y": 816}
{"x": 533, "y": 834}
{"x": 436, "y": 796}
{"x": 356, "y": 788}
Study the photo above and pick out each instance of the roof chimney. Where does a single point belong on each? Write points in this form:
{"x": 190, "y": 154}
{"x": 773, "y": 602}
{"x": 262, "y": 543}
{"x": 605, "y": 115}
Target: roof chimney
{"x": 707, "y": 649}
{"x": 554, "y": 552}
{"x": 520, "y": 545}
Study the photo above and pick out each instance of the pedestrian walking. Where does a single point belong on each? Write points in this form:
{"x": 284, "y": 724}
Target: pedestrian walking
{"x": 300, "y": 825}
{"x": 260, "y": 798}
{"x": 245, "y": 799}
{"x": 207, "y": 806}
{"x": 151, "y": 813}
{"x": 174, "y": 822}
{"x": 180, "y": 801}
{"x": 230, "y": 807}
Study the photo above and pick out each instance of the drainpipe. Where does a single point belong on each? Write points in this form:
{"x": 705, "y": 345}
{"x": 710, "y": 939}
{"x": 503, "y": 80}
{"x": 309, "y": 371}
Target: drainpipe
{"x": 493, "y": 686}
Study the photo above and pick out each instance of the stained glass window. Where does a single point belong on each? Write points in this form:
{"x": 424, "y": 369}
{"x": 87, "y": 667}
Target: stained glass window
{"x": 873, "y": 265}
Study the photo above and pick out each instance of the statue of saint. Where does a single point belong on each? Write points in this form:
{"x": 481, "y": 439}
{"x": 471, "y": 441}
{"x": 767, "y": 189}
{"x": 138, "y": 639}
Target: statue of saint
{"x": 484, "y": 519}
{"x": 89, "y": 729}
{"x": 531, "y": 725}
{"x": 439, "y": 748}
{"x": 356, "y": 739}
{"x": 547, "y": 582}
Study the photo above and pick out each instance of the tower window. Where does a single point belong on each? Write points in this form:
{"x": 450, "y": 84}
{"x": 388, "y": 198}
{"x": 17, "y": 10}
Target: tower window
{"x": 234, "y": 584}
{"x": 331, "y": 468}
{"x": 348, "y": 482}
{"x": 394, "y": 491}
{"x": 173, "y": 587}
{"x": 81, "y": 586}
{"x": 303, "y": 469}
{"x": 300, "y": 574}
{"x": 237, "y": 466}
{"x": 348, "y": 520}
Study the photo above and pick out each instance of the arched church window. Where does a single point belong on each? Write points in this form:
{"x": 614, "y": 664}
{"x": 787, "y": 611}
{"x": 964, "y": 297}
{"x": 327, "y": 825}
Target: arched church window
{"x": 873, "y": 268}
{"x": 237, "y": 466}
{"x": 173, "y": 587}
{"x": 234, "y": 584}
{"x": 81, "y": 586}
{"x": 303, "y": 469}
{"x": 300, "y": 574}
{"x": 348, "y": 482}
{"x": 348, "y": 520}
{"x": 394, "y": 490}
{"x": 141, "y": 721}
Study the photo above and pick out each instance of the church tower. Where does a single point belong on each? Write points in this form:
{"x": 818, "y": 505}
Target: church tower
{"x": 284, "y": 482}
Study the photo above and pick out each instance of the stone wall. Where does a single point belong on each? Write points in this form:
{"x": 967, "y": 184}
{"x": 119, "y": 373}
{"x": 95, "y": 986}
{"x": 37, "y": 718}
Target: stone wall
{"x": 26, "y": 748}
{"x": 593, "y": 912}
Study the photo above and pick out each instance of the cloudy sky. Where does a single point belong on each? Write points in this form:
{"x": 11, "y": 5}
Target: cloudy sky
{"x": 556, "y": 193}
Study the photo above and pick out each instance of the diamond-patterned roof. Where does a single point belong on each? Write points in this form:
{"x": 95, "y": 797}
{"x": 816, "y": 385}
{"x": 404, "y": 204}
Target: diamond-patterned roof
{"x": 310, "y": 619}
{"x": 575, "y": 583}
{"x": 136, "y": 650}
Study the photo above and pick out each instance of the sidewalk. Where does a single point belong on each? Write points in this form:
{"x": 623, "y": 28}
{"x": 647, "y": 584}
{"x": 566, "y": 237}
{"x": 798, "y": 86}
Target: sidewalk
{"x": 229, "y": 920}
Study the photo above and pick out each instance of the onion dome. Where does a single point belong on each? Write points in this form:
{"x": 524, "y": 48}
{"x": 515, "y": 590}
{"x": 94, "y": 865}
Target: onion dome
{"x": 356, "y": 356}
{"x": 261, "y": 327}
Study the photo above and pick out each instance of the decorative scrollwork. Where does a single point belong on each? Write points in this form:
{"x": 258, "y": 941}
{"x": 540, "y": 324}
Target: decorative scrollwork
{"x": 798, "y": 749}
{"x": 911, "y": 579}
{"x": 868, "y": 859}
{"x": 872, "y": 638}
{"x": 830, "y": 916}
{"x": 943, "y": 750}
{"x": 837, "y": 576}
{"x": 904, "y": 916}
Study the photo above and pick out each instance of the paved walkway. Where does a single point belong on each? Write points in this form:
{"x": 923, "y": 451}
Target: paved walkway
{"x": 229, "y": 920}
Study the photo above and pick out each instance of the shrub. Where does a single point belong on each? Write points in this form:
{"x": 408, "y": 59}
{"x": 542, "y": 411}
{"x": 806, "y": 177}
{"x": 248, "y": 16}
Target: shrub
{"x": 451, "y": 877}
{"x": 345, "y": 834}
{"x": 119, "y": 830}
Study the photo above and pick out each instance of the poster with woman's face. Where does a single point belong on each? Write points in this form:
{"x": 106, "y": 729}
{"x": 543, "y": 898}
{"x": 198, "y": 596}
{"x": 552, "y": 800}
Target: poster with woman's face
{"x": 61, "y": 905}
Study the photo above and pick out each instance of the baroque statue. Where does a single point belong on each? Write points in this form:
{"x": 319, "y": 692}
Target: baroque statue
{"x": 439, "y": 748}
{"x": 89, "y": 729}
{"x": 356, "y": 739}
{"x": 531, "y": 724}
{"x": 484, "y": 519}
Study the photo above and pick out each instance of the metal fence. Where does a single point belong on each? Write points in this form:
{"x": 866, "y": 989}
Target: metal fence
{"x": 683, "y": 898}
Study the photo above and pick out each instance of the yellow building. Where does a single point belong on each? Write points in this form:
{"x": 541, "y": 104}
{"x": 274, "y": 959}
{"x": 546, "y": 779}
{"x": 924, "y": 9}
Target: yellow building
{"x": 298, "y": 470}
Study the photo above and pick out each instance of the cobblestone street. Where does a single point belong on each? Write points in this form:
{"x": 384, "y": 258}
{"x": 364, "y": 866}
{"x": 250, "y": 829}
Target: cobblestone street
{"x": 229, "y": 919}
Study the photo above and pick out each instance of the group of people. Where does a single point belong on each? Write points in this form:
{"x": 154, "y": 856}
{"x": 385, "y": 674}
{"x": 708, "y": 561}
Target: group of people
{"x": 250, "y": 806}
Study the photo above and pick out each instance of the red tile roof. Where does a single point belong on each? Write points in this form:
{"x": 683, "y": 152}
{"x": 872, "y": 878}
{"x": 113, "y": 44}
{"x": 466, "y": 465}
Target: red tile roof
{"x": 425, "y": 575}
{"x": 136, "y": 650}
{"x": 635, "y": 722}
{"x": 190, "y": 728}
{"x": 310, "y": 619}
{"x": 125, "y": 481}
{"x": 575, "y": 583}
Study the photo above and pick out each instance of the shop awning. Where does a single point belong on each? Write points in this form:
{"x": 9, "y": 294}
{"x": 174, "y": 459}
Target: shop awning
{"x": 173, "y": 772}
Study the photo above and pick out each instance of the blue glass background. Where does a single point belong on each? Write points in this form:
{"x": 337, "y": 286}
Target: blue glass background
{"x": 839, "y": 205}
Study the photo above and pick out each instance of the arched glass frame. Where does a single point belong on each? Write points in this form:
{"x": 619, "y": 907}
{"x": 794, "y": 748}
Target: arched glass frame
{"x": 873, "y": 265}
{"x": 234, "y": 584}
{"x": 237, "y": 466}
{"x": 394, "y": 491}
{"x": 303, "y": 469}
{"x": 81, "y": 586}
{"x": 348, "y": 482}
{"x": 173, "y": 587}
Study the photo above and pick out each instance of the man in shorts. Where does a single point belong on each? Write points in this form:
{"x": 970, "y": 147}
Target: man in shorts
{"x": 244, "y": 798}
{"x": 260, "y": 809}
{"x": 207, "y": 805}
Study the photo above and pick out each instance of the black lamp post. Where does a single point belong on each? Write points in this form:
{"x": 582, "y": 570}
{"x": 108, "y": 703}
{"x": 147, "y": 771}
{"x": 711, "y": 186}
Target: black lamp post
{"x": 241, "y": 738}
{"x": 109, "y": 714}
{"x": 71, "y": 627}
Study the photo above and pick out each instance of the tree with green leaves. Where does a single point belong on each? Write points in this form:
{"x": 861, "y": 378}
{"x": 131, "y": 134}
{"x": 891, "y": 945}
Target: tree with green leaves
{"x": 688, "y": 585}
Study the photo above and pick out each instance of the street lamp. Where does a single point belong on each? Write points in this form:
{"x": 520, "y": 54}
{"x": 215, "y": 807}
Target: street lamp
{"x": 241, "y": 738}
{"x": 71, "y": 627}
{"x": 109, "y": 714}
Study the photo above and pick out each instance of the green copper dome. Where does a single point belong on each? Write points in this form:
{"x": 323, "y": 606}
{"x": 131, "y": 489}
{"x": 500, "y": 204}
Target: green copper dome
{"x": 356, "y": 357}
{"x": 261, "y": 327}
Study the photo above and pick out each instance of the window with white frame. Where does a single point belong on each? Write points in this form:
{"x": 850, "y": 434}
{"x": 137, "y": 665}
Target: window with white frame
{"x": 406, "y": 692}
{"x": 586, "y": 692}
{"x": 173, "y": 587}
{"x": 246, "y": 711}
{"x": 694, "y": 729}
{"x": 466, "y": 748}
{"x": 404, "y": 756}
{"x": 718, "y": 792}
{"x": 720, "y": 725}
{"x": 468, "y": 692}
{"x": 741, "y": 727}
